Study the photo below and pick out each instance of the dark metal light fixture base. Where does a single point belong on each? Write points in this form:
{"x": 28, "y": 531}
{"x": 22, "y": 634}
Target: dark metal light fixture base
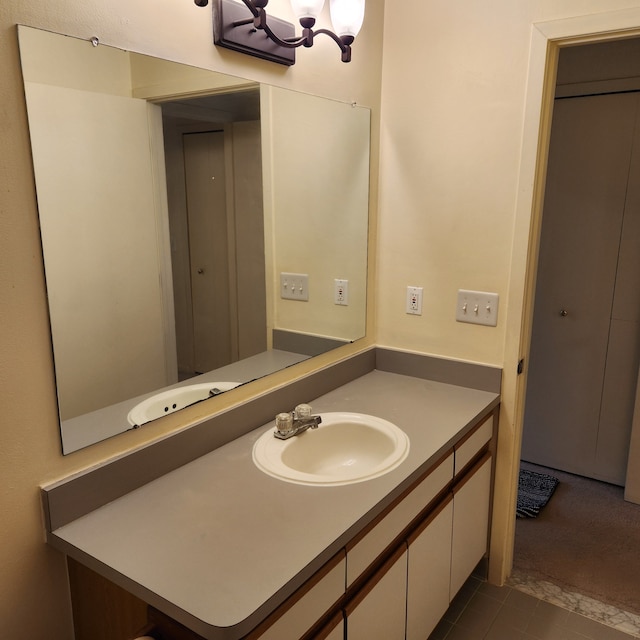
{"x": 246, "y": 38}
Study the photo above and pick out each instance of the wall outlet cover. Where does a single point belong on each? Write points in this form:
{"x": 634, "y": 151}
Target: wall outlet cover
{"x": 414, "y": 301}
{"x": 341, "y": 291}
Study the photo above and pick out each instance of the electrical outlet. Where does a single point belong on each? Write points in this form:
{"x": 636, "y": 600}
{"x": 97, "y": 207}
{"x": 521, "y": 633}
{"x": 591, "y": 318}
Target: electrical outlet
{"x": 294, "y": 286}
{"x": 414, "y": 301}
{"x": 477, "y": 307}
{"x": 341, "y": 292}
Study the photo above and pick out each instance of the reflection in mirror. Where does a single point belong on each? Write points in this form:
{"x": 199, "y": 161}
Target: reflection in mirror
{"x": 171, "y": 201}
{"x": 216, "y": 220}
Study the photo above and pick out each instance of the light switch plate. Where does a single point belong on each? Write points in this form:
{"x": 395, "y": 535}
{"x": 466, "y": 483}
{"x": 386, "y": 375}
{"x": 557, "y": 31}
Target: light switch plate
{"x": 477, "y": 307}
{"x": 294, "y": 286}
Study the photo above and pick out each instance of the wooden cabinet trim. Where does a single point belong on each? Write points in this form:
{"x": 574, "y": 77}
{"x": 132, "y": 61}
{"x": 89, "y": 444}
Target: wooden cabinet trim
{"x": 362, "y": 592}
{"x": 94, "y": 599}
{"x": 472, "y": 431}
{"x": 372, "y": 525}
{"x": 295, "y": 597}
{"x": 489, "y": 445}
{"x": 469, "y": 474}
{"x": 324, "y": 628}
{"x": 164, "y": 626}
{"x": 389, "y": 531}
{"x": 430, "y": 518}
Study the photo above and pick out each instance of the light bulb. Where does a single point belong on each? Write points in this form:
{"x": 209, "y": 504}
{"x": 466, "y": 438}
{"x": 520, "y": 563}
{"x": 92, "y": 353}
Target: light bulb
{"x": 347, "y": 16}
{"x": 307, "y": 8}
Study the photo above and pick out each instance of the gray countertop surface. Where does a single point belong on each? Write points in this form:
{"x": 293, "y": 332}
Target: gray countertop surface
{"x": 218, "y": 544}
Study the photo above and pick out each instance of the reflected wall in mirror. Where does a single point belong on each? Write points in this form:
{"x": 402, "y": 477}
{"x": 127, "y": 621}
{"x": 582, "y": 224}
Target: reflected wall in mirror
{"x": 171, "y": 199}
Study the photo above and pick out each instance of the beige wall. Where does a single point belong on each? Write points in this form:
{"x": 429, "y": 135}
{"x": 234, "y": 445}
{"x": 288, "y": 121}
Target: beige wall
{"x": 460, "y": 127}
{"x": 459, "y": 136}
{"x": 33, "y": 588}
{"x": 323, "y": 172}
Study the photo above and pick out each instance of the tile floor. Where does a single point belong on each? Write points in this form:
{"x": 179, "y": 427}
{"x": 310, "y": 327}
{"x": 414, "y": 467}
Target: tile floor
{"x": 484, "y": 612}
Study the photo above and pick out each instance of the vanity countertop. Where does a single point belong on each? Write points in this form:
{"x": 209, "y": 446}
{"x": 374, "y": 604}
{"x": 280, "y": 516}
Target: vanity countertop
{"x": 217, "y": 544}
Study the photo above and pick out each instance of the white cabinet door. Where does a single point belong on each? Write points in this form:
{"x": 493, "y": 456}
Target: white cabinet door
{"x": 470, "y": 522}
{"x": 429, "y": 570}
{"x": 364, "y": 551}
{"x": 379, "y": 610}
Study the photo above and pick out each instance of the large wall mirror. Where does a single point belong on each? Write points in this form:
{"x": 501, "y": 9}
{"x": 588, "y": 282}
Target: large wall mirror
{"x": 193, "y": 225}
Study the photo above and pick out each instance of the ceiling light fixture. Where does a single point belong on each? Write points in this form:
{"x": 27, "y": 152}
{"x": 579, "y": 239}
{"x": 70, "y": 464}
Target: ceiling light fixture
{"x": 234, "y": 28}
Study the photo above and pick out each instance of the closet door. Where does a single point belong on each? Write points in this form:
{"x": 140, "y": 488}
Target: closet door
{"x": 623, "y": 355}
{"x": 589, "y": 163}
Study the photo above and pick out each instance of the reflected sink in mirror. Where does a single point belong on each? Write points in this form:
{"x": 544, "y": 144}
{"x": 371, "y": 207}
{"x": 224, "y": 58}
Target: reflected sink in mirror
{"x": 344, "y": 449}
{"x": 162, "y": 404}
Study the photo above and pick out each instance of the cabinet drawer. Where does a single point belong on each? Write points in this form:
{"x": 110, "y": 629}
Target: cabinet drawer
{"x": 305, "y": 607}
{"x": 367, "y": 547}
{"x": 472, "y": 443}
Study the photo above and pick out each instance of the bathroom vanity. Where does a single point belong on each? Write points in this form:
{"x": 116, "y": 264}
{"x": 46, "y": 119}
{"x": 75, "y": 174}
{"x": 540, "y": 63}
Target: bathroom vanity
{"x": 217, "y": 549}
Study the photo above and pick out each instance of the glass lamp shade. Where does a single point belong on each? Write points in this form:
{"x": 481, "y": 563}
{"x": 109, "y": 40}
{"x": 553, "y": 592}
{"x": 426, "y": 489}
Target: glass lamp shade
{"x": 347, "y": 16}
{"x": 307, "y": 8}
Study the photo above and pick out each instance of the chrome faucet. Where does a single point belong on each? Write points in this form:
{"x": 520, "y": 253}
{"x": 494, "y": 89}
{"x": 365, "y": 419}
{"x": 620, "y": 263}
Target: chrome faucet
{"x": 293, "y": 423}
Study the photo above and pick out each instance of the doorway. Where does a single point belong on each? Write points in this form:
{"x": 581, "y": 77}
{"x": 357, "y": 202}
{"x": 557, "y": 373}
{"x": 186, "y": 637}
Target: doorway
{"x": 585, "y": 339}
{"x": 214, "y": 187}
{"x": 585, "y": 345}
{"x": 212, "y": 312}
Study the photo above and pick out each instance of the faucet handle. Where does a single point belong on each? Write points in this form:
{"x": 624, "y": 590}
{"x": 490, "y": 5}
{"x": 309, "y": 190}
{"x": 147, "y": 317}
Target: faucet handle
{"x": 284, "y": 423}
{"x": 302, "y": 411}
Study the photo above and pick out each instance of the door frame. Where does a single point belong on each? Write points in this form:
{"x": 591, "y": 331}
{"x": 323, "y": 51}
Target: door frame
{"x": 547, "y": 38}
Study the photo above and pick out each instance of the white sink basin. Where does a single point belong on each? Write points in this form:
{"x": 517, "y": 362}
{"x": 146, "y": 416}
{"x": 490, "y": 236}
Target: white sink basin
{"x": 345, "y": 448}
{"x": 172, "y": 400}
